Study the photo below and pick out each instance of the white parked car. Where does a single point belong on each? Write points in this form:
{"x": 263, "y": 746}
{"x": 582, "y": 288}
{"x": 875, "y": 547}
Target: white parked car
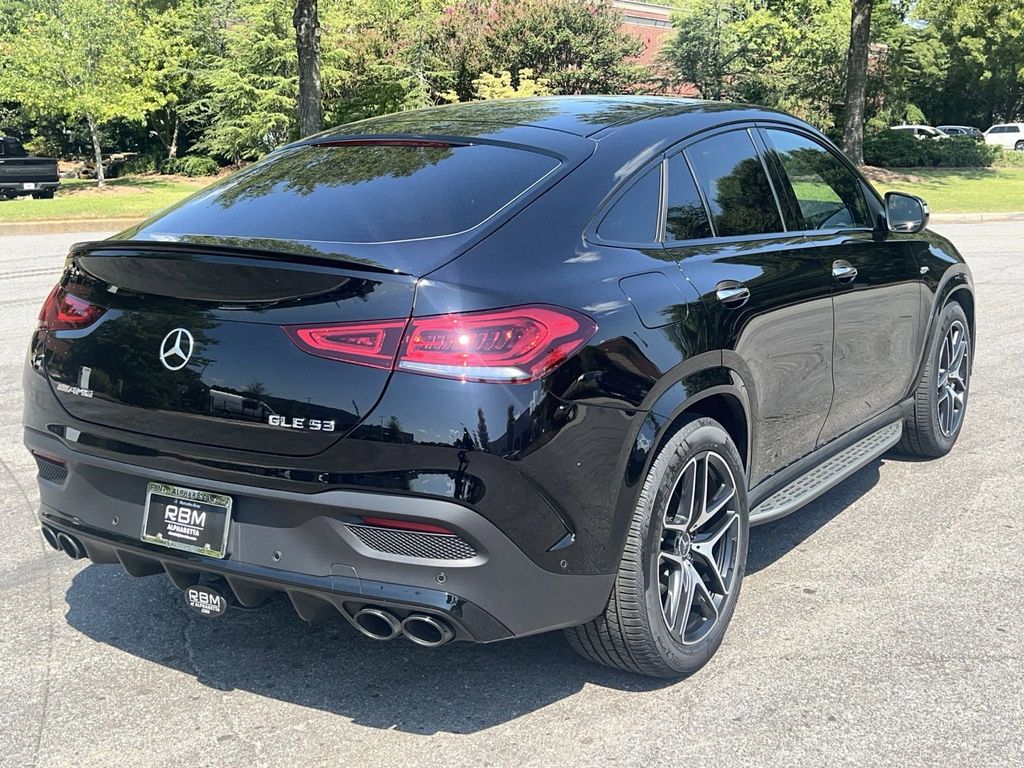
{"x": 920, "y": 131}
{"x": 1008, "y": 135}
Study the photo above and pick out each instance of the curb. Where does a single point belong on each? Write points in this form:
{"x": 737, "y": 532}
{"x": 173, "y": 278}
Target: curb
{"x": 972, "y": 218}
{"x": 66, "y": 225}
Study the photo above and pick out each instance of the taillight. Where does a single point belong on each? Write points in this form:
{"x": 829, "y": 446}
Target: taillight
{"x": 514, "y": 345}
{"x": 373, "y": 344}
{"x": 63, "y": 311}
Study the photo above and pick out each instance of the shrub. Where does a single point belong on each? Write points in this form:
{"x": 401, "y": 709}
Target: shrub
{"x": 961, "y": 152}
{"x": 896, "y": 149}
{"x": 1008, "y": 158}
{"x": 137, "y": 165}
{"x": 190, "y": 165}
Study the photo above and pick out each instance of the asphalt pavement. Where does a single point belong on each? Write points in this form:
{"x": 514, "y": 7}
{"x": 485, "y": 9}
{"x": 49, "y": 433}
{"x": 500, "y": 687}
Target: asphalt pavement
{"x": 883, "y": 625}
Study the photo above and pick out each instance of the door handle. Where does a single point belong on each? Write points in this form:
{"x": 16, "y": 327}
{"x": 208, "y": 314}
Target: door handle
{"x": 731, "y": 293}
{"x": 843, "y": 271}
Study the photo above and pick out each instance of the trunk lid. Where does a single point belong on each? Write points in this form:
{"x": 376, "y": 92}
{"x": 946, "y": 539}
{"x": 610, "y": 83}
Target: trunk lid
{"x": 191, "y": 344}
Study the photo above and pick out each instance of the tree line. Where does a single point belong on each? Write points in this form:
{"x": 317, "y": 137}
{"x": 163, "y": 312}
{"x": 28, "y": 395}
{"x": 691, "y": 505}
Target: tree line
{"x": 233, "y": 79}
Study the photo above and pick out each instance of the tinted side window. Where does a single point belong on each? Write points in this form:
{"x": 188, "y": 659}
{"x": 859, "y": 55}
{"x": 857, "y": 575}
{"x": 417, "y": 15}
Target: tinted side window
{"x": 735, "y": 185}
{"x": 825, "y": 192}
{"x": 685, "y": 218}
{"x": 634, "y": 217}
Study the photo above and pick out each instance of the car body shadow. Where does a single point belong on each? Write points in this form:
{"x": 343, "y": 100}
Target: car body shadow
{"x": 460, "y": 688}
{"x": 771, "y": 541}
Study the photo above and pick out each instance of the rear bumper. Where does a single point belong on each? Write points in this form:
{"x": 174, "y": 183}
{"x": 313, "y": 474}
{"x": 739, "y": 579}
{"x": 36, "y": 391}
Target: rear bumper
{"x": 311, "y": 547}
{"x": 18, "y": 187}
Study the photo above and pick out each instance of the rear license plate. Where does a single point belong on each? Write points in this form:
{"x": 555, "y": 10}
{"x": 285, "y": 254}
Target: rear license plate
{"x": 29, "y": 185}
{"x": 184, "y": 518}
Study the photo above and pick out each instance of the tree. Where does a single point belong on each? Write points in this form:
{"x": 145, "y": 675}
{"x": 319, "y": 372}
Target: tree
{"x": 78, "y": 59}
{"x": 576, "y": 45}
{"x": 982, "y": 81}
{"x": 709, "y": 50}
{"x": 781, "y": 54}
{"x": 178, "y": 40}
{"x": 306, "y": 21}
{"x": 249, "y": 87}
{"x": 856, "y": 79}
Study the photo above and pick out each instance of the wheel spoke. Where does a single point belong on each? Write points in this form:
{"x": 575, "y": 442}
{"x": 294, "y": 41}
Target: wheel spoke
{"x": 958, "y": 355}
{"x": 680, "y": 511}
{"x": 949, "y": 411}
{"x": 704, "y": 548}
{"x": 673, "y": 594}
{"x": 702, "y": 597}
{"x": 720, "y": 499}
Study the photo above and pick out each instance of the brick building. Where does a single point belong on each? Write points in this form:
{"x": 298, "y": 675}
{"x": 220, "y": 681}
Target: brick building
{"x": 652, "y": 23}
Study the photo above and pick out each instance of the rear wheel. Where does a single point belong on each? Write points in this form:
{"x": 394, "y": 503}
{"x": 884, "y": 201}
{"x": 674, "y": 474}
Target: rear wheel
{"x": 1019, "y": 146}
{"x": 683, "y": 563}
{"x": 940, "y": 400}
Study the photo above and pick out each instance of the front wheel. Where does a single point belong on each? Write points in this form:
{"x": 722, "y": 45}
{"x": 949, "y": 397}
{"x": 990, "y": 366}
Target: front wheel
{"x": 683, "y": 562}
{"x": 1019, "y": 146}
{"x": 940, "y": 400}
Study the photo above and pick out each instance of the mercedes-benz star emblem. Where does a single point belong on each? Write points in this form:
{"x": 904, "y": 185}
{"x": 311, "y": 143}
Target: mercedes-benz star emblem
{"x": 176, "y": 349}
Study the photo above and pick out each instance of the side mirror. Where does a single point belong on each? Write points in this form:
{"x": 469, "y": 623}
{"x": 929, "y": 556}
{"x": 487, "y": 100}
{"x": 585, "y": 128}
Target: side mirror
{"x": 905, "y": 214}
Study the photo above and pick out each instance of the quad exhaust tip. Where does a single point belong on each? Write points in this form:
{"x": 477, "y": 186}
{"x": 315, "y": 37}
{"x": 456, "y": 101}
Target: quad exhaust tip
{"x": 50, "y": 537}
{"x": 378, "y": 624}
{"x": 426, "y": 630}
{"x": 63, "y": 542}
{"x": 70, "y": 546}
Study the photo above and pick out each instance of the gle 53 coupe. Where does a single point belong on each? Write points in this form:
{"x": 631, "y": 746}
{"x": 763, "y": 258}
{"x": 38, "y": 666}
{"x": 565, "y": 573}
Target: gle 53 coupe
{"x": 487, "y": 370}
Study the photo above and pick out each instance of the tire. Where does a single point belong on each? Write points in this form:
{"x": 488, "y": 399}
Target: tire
{"x": 633, "y": 633}
{"x": 46, "y": 194}
{"x": 927, "y": 433}
{"x": 1019, "y": 146}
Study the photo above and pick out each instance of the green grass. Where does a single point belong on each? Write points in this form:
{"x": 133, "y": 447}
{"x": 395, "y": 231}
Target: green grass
{"x": 130, "y": 197}
{"x": 957, "y": 190}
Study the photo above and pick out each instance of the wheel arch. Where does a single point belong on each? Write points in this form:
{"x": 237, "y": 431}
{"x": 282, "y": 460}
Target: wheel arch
{"x": 963, "y": 296}
{"x": 717, "y": 391}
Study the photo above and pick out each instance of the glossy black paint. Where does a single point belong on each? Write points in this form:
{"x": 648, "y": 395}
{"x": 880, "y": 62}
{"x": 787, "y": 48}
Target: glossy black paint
{"x": 805, "y": 360}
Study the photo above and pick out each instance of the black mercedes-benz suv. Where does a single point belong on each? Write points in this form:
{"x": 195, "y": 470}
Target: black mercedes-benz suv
{"x": 487, "y": 370}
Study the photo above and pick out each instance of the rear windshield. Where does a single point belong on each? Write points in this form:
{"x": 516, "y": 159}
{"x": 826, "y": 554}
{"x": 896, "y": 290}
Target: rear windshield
{"x": 361, "y": 193}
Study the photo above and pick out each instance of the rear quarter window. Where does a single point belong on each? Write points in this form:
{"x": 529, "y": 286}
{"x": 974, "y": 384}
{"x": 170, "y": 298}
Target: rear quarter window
{"x": 634, "y": 217}
{"x": 362, "y": 192}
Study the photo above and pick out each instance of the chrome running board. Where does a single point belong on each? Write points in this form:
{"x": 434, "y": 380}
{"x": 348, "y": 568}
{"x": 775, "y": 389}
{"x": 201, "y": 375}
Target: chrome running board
{"x": 826, "y": 475}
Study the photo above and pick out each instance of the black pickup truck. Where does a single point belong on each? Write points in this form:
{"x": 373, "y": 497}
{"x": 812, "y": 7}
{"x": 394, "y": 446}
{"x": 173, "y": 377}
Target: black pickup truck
{"x": 21, "y": 174}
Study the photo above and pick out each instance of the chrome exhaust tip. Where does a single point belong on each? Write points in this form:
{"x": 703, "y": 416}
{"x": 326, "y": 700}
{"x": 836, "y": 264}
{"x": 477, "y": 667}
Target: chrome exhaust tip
{"x": 70, "y": 546}
{"x": 426, "y": 630}
{"x": 377, "y": 624}
{"x": 50, "y": 537}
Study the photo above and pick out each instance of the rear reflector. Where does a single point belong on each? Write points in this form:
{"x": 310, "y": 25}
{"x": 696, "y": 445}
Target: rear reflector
{"x": 63, "y": 311}
{"x": 514, "y": 345}
{"x": 406, "y": 525}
